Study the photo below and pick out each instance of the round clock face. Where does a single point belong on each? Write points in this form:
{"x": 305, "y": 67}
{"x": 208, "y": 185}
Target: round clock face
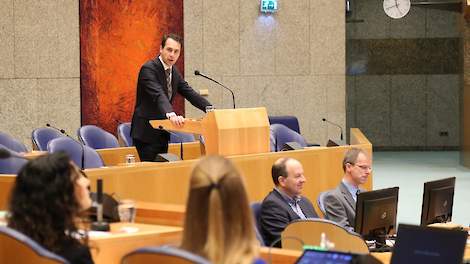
{"x": 397, "y": 8}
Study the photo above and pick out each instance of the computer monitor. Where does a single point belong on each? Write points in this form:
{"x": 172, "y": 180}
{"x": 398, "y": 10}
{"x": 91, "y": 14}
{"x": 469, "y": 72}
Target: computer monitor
{"x": 420, "y": 244}
{"x": 319, "y": 256}
{"x": 438, "y": 199}
{"x": 376, "y": 214}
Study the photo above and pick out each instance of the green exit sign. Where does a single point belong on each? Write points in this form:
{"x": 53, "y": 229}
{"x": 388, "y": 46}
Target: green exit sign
{"x": 268, "y": 6}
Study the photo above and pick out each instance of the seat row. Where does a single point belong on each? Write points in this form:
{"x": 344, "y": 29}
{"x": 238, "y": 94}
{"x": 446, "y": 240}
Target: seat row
{"x": 16, "y": 243}
{"x": 92, "y": 137}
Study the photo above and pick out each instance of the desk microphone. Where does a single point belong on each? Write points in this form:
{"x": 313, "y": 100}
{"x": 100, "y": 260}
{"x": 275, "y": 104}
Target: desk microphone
{"x": 177, "y": 136}
{"x": 81, "y": 145}
{"x": 340, "y": 127}
{"x": 60, "y": 130}
{"x": 100, "y": 224}
{"x": 198, "y": 73}
{"x": 6, "y": 153}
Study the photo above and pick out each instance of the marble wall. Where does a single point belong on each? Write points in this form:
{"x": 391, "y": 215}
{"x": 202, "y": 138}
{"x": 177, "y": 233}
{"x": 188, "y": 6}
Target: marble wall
{"x": 39, "y": 66}
{"x": 465, "y": 95}
{"x": 291, "y": 62}
{"x": 404, "y": 76}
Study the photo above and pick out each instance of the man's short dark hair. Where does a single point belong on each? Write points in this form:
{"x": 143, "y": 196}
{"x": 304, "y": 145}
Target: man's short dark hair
{"x": 173, "y": 36}
{"x": 279, "y": 169}
{"x": 351, "y": 156}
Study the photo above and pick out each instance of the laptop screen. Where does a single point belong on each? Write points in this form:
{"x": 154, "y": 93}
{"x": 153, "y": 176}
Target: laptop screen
{"x": 312, "y": 256}
{"x": 416, "y": 244}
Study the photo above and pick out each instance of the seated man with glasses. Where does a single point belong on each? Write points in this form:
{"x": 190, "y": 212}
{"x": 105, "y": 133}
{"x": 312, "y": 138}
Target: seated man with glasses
{"x": 340, "y": 203}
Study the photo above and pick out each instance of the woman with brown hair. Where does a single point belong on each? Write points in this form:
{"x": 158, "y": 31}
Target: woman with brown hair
{"x": 219, "y": 223}
{"x": 47, "y": 202}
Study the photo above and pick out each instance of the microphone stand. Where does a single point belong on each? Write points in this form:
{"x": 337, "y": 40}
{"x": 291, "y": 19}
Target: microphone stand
{"x": 174, "y": 134}
{"x": 341, "y": 129}
{"x": 81, "y": 145}
{"x": 100, "y": 224}
{"x": 196, "y": 72}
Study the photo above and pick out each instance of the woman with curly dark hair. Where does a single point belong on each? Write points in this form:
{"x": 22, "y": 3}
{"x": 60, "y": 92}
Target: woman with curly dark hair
{"x": 47, "y": 204}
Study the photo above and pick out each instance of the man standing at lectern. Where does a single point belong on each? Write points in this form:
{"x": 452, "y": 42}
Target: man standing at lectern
{"x": 157, "y": 85}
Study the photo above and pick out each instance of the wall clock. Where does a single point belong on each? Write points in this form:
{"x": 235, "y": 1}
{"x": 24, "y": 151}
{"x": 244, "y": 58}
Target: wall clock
{"x": 396, "y": 8}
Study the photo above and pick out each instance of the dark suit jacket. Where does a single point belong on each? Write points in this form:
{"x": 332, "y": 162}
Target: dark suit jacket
{"x": 276, "y": 214}
{"x": 340, "y": 207}
{"x": 152, "y": 100}
{"x": 76, "y": 254}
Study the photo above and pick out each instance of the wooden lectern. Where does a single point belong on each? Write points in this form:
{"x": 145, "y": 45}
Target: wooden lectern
{"x": 228, "y": 131}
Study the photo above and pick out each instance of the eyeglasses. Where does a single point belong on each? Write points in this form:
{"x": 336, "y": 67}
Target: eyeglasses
{"x": 364, "y": 167}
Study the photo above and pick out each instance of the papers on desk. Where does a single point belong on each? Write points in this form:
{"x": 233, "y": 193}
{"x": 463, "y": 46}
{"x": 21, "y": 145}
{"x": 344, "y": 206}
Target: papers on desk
{"x": 129, "y": 229}
{"x": 97, "y": 234}
{"x": 3, "y": 218}
{"x": 122, "y": 230}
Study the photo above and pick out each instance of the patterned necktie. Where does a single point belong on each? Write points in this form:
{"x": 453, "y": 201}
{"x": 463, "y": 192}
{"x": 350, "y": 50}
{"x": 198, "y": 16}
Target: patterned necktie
{"x": 168, "y": 81}
{"x": 357, "y": 193}
{"x": 297, "y": 209}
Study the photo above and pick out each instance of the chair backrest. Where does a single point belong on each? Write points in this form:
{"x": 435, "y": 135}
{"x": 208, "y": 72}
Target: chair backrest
{"x": 310, "y": 230}
{"x": 321, "y": 201}
{"x": 282, "y": 134}
{"x": 17, "y": 248}
{"x": 42, "y": 136}
{"x": 92, "y": 159}
{"x": 177, "y": 137}
{"x": 11, "y": 165}
{"x": 12, "y": 143}
{"x": 75, "y": 150}
{"x": 256, "y": 210}
{"x": 289, "y": 121}
{"x": 124, "y": 134}
{"x": 96, "y": 137}
{"x": 165, "y": 254}
{"x": 69, "y": 146}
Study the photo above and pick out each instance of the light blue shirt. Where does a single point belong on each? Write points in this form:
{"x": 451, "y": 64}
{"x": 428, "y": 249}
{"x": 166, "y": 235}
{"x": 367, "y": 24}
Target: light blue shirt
{"x": 293, "y": 203}
{"x": 352, "y": 189}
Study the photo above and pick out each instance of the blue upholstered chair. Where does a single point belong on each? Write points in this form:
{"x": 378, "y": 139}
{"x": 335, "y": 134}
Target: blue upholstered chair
{"x": 12, "y": 143}
{"x": 92, "y": 158}
{"x": 11, "y": 165}
{"x": 17, "y": 248}
{"x": 178, "y": 137}
{"x": 321, "y": 201}
{"x": 42, "y": 136}
{"x": 289, "y": 121}
{"x": 124, "y": 134}
{"x": 75, "y": 151}
{"x": 256, "y": 210}
{"x": 164, "y": 254}
{"x": 96, "y": 137}
{"x": 282, "y": 135}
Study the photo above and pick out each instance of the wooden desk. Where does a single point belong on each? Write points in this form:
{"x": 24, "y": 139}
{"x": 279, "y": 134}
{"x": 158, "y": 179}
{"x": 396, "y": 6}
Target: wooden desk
{"x": 116, "y": 156}
{"x": 285, "y": 256}
{"x": 169, "y": 182}
{"x": 160, "y": 214}
{"x": 34, "y": 154}
{"x": 6, "y": 185}
{"x": 110, "y": 249}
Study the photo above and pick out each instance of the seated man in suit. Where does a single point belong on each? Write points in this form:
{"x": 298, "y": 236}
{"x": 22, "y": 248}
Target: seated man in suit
{"x": 340, "y": 203}
{"x": 285, "y": 203}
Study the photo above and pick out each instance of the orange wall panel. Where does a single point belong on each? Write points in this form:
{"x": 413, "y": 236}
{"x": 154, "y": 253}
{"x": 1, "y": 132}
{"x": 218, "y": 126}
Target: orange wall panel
{"x": 116, "y": 38}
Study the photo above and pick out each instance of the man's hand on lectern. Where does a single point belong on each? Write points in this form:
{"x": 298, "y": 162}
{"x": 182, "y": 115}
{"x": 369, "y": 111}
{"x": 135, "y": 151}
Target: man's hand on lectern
{"x": 177, "y": 120}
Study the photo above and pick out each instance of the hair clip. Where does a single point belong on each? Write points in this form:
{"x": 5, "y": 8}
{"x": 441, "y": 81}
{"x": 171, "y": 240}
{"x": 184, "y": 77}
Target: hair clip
{"x": 214, "y": 185}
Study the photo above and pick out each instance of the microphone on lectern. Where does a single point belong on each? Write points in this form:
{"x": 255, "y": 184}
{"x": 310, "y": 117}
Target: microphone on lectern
{"x": 198, "y": 73}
